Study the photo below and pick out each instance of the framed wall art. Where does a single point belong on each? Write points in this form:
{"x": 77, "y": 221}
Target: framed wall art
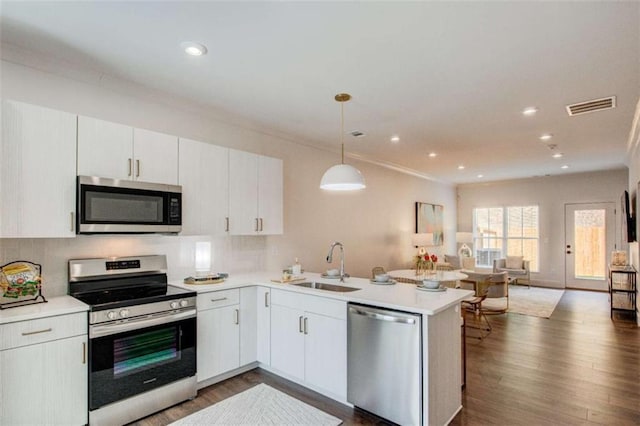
{"x": 429, "y": 219}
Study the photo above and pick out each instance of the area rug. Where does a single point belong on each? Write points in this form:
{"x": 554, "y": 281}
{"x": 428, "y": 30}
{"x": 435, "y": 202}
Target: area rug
{"x": 534, "y": 301}
{"x": 260, "y": 405}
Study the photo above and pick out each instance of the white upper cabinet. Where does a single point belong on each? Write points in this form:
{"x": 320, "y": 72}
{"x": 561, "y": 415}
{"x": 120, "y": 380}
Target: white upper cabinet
{"x": 117, "y": 151}
{"x": 255, "y": 194}
{"x": 156, "y": 157}
{"x": 104, "y": 149}
{"x": 38, "y": 171}
{"x": 204, "y": 176}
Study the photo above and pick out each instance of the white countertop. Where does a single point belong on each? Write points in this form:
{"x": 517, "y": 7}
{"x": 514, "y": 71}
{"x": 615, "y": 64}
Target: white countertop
{"x": 55, "y": 306}
{"x": 399, "y": 296}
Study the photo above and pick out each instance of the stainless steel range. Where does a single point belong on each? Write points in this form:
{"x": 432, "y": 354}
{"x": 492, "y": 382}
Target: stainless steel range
{"x": 142, "y": 337}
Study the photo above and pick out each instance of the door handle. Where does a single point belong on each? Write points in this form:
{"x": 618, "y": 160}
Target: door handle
{"x": 237, "y": 315}
{"x": 130, "y": 167}
{"x": 29, "y": 333}
{"x": 266, "y": 300}
{"x": 306, "y": 325}
{"x": 72, "y": 221}
{"x": 568, "y": 251}
{"x": 257, "y": 225}
{"x": 261, "y": 225}
{"x": 84, "y": 353}
{"x": 137, "y": 168}
{"x": 300, "y": 329}
{"x": 226, "y": 226}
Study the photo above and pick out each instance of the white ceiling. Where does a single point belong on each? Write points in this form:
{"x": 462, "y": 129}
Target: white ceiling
{"x": 448, "y": 77}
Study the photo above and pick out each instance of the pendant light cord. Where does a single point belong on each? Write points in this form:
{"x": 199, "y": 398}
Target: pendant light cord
{"x": 342, "y": 129}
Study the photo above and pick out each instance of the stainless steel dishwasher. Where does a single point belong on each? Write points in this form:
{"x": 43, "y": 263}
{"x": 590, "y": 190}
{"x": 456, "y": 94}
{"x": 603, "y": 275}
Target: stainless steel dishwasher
{"x": 384, "y": 363}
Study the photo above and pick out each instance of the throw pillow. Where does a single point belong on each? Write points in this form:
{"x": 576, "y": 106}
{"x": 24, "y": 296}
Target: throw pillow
{"x": 514, "y": 262}
{"x": 454, "y": 261}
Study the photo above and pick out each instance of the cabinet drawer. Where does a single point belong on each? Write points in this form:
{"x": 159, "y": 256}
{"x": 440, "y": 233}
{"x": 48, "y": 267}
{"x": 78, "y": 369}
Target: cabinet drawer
{"x": 41, "y": 330}
{"x": 319, "y": 305}
{"x": 217, "y": 299}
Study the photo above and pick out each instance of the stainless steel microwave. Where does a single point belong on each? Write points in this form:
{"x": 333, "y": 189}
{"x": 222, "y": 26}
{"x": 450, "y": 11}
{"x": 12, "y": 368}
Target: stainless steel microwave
{"x": 115, "y": 206}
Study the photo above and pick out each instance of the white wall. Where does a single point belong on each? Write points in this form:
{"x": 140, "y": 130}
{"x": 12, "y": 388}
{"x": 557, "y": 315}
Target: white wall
{"x": 550, "y": 194}
{"x": 633, "y": 162}
{"x": 375, "y": 225}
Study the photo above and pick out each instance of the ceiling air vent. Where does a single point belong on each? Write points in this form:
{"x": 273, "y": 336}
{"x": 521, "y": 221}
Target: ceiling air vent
{"x": 591, "y": 106}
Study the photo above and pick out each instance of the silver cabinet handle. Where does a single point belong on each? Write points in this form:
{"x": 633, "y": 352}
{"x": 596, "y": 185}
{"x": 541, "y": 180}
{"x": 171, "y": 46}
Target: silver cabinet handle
{"x": 266, "y": 299}
{"x": 261, "y": 229}
{"x": 137, "y": 168}
{"x": 72, "y": 221}
{"x": 306, "y": 325}
{"x": 257, "y": 224}
{"x": 226, "y": 227}
{"x": 130, "y": 167}
{"x": 84, "y": 353}
{"x": 29, "y": 333}
{"x": 300, "y": 329}
{"x": 219, "y": 300}
{"x": 382, "y": 317}
{"x": 237, "y": 315}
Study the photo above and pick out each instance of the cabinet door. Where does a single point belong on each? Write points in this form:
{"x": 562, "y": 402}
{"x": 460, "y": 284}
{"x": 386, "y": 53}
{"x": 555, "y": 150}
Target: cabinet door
{"x": 270, "y": 195}
{"x": 156, "y": 157}
{"x": 248, "y": 325}
{"x": 325, "y": 353}
{"x": 243, "y": 193}
{"x": 105, "y": 149}
{"x": 37, "y": 171}
{"x": 263, "y": 312}
{"x": 287, "y": 341}
{"x": 204, "y": 176}
{"x": 45, "y": 383}
{"x": 218, "y": 341}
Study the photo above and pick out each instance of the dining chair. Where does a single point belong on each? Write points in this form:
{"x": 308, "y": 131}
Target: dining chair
{"x": 498, "y": 289}
{"x": 474, "y": 305}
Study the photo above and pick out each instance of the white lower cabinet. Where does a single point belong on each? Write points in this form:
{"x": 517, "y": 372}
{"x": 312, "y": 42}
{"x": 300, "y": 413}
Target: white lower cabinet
{"x": 43, "y": 371}
{"x": 263, "y": 326}
{"x": 218, "y": 333}
{"x": 309, "y": 340}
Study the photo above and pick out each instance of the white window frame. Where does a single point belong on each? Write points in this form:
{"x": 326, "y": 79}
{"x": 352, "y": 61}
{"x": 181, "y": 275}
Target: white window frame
{"x": 493, "y": 252}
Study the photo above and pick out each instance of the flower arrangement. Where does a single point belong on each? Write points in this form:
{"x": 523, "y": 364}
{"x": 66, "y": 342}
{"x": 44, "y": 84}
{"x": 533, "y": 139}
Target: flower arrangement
{"x": 425, "y": 262}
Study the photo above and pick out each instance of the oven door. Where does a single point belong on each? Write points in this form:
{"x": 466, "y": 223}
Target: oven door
{"x": 117, "y": 206}
{"x": 132, "y": 362}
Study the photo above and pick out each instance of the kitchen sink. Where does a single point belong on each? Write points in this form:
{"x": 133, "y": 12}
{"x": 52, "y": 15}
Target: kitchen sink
{"x": 328, "y": 287}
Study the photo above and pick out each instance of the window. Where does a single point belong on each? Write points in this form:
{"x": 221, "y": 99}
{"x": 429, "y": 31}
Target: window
{"x": 506, "y": 231}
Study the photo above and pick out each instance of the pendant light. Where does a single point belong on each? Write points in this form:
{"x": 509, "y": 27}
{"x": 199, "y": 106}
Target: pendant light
{"x": 342, "y": 177}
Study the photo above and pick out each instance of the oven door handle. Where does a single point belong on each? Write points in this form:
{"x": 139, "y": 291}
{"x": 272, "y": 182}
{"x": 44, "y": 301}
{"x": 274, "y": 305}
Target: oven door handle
{"x": 136, "y": 324}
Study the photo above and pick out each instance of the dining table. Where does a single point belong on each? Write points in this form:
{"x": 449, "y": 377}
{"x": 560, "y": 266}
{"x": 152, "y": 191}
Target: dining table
{"x": 446, "y": 278}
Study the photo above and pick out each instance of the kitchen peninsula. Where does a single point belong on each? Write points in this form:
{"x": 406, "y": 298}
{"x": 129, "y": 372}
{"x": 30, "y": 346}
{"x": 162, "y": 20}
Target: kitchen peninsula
{"x": 301, "y": 334}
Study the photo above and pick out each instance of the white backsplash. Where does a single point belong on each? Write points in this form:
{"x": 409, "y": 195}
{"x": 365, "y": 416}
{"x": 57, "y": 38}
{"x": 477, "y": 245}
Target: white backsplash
{"x": 228, "y": 254}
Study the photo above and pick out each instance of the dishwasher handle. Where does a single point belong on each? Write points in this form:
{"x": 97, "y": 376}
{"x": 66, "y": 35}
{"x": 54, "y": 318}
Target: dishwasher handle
{"x": 381, "y": 317}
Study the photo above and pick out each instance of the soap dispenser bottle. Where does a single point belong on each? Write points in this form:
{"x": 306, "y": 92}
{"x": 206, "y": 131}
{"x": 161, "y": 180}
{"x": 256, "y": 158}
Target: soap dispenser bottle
{"x": 296, "y": 269}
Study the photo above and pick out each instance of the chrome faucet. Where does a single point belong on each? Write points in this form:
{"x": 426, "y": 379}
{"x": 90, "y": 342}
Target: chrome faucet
{"x": 330, "y": 258}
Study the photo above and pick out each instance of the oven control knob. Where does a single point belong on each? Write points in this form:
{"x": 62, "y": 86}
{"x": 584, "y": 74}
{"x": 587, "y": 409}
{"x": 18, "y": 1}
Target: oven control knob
{"x": 173, "y": 305}
{"x": 111, "y": 315}
{"x": 184, "y": 303}
{"x": 124, "y": 313}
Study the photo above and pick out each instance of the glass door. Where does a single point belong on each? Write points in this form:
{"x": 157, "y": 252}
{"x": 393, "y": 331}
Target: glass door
{"x": 589, "y": 238}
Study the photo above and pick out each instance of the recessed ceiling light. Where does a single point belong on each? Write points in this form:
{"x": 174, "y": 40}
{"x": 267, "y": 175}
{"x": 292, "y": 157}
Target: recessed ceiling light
{"x": 395, "y": 139}
{"x": 546, "y": 136}
{"x": 528, "y": 111}
{"x": 194, "y": 49}
{"x": 557, "y": 155}
{"x": 480, "y": 176}
{"x": 564, "y": 167}
{"x": 460, "y": 167}
{"x": 433, "y": 154}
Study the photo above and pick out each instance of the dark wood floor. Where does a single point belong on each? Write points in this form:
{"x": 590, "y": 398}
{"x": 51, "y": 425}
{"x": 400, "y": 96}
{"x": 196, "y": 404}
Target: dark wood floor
{"x": 578, "y": 367}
